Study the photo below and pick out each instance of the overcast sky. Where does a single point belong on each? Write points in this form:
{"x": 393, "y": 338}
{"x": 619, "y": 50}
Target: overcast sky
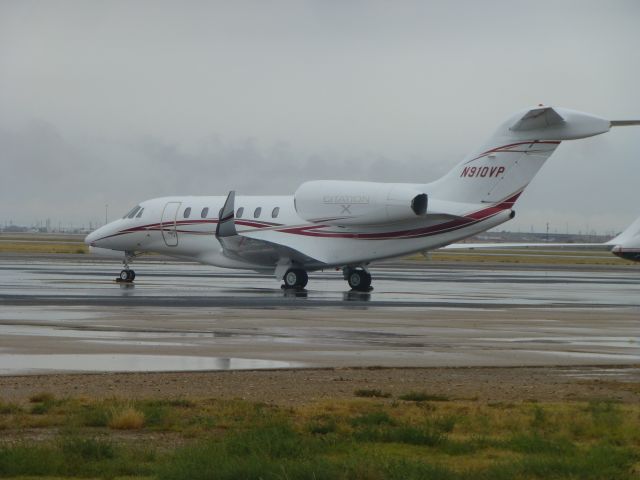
{"x": 114, "y": 102}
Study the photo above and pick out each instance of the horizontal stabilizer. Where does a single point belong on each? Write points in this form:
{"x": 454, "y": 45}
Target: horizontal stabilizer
{"x": 537, "y": 118}
{"x": 624, "y": 123}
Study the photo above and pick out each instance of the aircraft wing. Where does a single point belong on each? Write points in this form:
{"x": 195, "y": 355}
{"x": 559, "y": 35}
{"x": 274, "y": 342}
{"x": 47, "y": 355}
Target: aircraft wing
{"x": 237, "y": 246}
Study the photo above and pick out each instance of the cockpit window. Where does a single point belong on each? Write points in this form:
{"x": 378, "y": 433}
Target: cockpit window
{"x": 132, "y": 212}
{"x": 140, "y": 213}
{"x": 187, "y": 212}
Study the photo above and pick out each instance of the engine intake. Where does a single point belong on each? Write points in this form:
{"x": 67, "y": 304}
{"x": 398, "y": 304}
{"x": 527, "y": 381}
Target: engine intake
{"x": 419, "y": 204}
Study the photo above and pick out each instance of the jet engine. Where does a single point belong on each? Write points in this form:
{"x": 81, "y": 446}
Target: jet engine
{"x": 337, "y": 202}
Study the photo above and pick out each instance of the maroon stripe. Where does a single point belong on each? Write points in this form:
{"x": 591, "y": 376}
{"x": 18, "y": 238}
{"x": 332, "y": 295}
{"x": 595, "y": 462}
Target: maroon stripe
{"x": 312, "y": 230}
{"x": 469, "y": 219}
{"x": 507, "y": 148}
{"x": 183, "y": 223}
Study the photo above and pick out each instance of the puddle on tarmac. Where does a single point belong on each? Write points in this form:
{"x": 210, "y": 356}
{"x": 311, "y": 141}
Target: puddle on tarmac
{"x": 39, "y": 331}
{"x": 626, "y": 357}
{"x": 13, "y": 364}
{"x": 615, "y": 342}
{"x": 25, "y": 313}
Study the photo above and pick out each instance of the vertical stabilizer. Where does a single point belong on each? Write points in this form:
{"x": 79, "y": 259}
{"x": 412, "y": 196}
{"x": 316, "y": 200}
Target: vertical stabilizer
{"x": 504, "y": 166}
{"x": 629, "y": 237}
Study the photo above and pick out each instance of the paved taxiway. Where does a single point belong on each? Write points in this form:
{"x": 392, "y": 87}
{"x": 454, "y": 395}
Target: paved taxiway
{"x": 66, "y": 314}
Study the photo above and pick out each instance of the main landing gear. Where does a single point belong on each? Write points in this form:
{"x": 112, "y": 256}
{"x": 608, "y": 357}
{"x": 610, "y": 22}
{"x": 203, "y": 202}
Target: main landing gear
{"x": 127, "y": 275}
{"x": 359, "y": 279}
{"x": 295, "y": 278}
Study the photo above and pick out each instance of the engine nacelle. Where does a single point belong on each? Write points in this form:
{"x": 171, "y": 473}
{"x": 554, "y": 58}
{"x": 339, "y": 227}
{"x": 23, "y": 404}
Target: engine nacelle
{"x": 337, "y": 202}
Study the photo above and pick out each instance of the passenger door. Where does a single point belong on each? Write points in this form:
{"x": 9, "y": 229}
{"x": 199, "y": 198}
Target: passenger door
{"x": 168, "y": 224}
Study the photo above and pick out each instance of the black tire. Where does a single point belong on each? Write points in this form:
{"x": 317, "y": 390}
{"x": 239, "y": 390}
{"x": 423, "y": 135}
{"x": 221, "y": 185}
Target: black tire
{"x": 304, "y": 279}
{"x": 295, "y": 278}
{"x": 132, "y": 275}
{"x": 359, "y": 280}
{"x": 124, "y": 275}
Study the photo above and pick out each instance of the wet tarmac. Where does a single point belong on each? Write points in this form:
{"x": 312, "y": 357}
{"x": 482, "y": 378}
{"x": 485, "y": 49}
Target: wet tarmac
{"x": 173, "y": 284}
{"x": 68, "y": 314}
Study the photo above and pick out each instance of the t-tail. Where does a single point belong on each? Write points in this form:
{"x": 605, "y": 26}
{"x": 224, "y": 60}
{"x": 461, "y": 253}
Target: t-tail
{"x": 498, "y": 172}
{"x": 627, "y": 244}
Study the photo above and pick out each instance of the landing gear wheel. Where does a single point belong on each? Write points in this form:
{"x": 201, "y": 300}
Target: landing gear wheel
{"x": 359, "y": 280}
{"x": 127, "y": 276}
{"x": 295, "y": 278}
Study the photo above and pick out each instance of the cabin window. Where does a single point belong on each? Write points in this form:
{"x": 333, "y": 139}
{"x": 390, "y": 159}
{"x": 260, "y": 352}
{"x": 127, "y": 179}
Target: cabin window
{"x": 256, "y": 212}
{"x": 133, "y": 212}
{"x": 187, "y": 212}
{"x": 204, "y": 212}
{"x": 240, "y": 212}
{"x": 275, "y": 212}
{"x": 140, "y": 213}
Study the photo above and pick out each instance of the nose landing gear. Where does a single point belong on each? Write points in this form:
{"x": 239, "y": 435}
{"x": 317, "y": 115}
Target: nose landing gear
{"x": 127, "y": 275}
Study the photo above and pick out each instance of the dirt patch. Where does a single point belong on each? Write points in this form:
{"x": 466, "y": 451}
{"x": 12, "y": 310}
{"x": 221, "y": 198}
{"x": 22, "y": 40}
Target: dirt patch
{"x": 295, "y": 387}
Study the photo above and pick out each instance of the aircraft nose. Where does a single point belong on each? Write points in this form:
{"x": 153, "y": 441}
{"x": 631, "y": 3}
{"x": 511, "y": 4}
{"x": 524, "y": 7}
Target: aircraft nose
{"x": 93, "y": 237}
{"x": 89, "y": 239}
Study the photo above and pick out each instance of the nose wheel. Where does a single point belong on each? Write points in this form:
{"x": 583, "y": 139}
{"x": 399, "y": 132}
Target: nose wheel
{"x": 126, "y": 274}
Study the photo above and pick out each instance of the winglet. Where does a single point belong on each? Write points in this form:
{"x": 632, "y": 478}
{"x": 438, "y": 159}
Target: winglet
{"x": 226, "y": 223}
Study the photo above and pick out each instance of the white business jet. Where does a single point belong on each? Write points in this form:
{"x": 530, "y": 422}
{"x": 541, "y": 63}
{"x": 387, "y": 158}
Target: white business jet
{"x": 349, "y": 224}
{"x": 626, "y": 245}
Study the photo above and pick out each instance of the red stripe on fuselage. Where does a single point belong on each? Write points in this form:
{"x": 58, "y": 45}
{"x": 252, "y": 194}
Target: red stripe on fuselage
{"x": 182, "y": 223}
{"x": 312, "y": 230}
{"x": 508, "y": 148}
{"x": 469, "y": 219}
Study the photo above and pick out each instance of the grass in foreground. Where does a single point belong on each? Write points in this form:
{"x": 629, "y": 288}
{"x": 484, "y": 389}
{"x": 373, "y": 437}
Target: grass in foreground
{"x": 365, "y": 438}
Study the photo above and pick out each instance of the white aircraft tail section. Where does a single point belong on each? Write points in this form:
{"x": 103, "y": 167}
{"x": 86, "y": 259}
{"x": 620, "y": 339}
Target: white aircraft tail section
{"x": 500, "y": 170}
{"x": 629, "y": 237}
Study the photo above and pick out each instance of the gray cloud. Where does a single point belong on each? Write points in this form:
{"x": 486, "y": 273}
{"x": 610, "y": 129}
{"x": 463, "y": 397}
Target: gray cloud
{"x": 114, "y": 102}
